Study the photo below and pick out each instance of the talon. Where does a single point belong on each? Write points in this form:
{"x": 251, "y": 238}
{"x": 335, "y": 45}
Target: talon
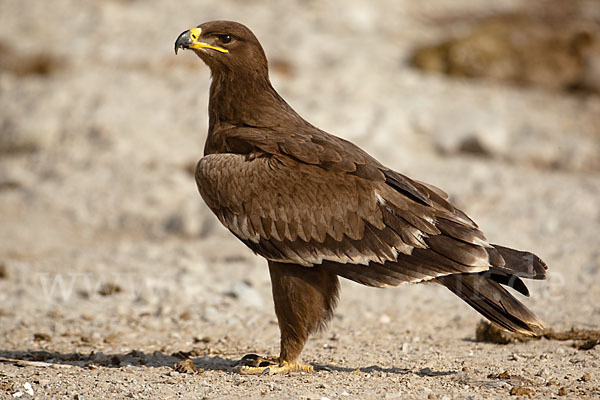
{"x": 250, "y": 356}
{"x": 255, "y": 361}
{"x": 252, "y": 364}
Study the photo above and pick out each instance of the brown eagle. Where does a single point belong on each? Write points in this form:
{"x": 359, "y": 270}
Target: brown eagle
{"x": 317, "y": 207}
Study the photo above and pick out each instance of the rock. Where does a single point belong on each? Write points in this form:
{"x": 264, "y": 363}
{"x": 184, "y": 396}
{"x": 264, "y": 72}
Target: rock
{"x": 526, "y": 49}
{"x": 385, "y": 319}
{"x": 489, "y": 333}
{"x": 185, "y": 367}
{"x": 42, "y": 337}
{"x": 521, "y": 391}
{"x": 108, "y": 289}
{"x": 586, "y": 377}
{"x": 563, "y": 391}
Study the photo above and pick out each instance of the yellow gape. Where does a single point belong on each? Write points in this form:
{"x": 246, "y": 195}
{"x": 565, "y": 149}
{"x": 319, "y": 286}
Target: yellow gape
{"x": 195, "y": 35}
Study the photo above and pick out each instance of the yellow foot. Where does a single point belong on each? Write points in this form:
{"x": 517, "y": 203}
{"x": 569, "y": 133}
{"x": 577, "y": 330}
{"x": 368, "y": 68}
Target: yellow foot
{"x": 251, "y": 364}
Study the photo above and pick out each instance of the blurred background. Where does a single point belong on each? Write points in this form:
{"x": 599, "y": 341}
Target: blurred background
{"x": 101, "y": 125}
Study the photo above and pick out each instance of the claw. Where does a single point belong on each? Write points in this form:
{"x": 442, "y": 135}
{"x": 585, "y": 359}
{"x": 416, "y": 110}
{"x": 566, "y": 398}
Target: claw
{"x": 254, "y": 360}
{"x": 255, "y": 365}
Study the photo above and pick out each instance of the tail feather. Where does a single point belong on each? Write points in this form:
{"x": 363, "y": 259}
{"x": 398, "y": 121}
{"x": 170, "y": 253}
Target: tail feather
{"x": 520, "y": 263}
{"x": 483, "y": 292}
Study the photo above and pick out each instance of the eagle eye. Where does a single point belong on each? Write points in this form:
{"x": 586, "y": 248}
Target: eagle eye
{"x": 224, "y": 38}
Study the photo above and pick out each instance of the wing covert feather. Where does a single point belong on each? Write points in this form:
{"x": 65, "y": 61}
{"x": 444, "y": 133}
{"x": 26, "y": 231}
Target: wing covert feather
{"x": 366, "y": 230}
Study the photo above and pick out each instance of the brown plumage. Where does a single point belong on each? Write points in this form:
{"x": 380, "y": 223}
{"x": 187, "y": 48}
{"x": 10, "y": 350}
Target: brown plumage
{"x": 317, "y": 207}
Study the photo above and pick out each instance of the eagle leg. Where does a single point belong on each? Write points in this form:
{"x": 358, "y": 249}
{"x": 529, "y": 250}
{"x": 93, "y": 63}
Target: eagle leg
{"x": 304, "y": 300}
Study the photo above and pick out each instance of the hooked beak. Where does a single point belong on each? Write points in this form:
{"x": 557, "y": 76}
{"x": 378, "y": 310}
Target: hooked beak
{"x": 190, "y": 39}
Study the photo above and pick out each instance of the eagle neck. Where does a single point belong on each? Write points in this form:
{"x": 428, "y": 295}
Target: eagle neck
{"x": 246, "y": 99}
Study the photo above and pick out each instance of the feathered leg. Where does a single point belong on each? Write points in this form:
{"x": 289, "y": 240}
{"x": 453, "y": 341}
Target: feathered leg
{"x": 304, "y": 300}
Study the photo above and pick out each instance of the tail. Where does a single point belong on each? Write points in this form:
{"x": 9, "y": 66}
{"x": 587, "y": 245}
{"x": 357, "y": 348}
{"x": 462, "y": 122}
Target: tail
{"x": 483, "y": 290}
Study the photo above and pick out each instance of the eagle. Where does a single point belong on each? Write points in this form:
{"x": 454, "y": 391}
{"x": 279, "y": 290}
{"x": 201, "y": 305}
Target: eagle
{"x": 318, "y": 207}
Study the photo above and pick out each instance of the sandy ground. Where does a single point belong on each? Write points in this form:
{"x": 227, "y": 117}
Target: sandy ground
{"x": 112, "y": 270}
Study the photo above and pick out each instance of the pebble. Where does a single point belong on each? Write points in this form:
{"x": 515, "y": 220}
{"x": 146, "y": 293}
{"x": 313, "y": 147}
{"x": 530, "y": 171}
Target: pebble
{"x": 586, "y": 377}
{"x": 520, "y": 391}
{"x": 563, "y": 391}
{"x": 42, "y": 337}
{"x": 28, "y": 388}
{"x": 515, "y": 357}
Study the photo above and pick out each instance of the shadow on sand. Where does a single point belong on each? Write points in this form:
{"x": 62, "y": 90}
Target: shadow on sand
{"x": 157, "y": 359}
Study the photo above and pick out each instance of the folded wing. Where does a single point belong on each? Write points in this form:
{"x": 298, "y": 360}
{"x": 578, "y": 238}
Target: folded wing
{"x": 382, "y": 229}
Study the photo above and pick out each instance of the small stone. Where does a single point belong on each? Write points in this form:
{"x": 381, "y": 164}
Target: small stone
{"x": 520, "y": 391}
{"x": 28, "y": 388}
{"x": 185, "y": 367}
{"x": 108, "y": 289}
{"x": 515, "y": 357}
{"x": 111, "y": 339}
{"x": 185, "y": 316}
{"x": 405, "y": 347}
{"x": 586, "y": 377}
{"x": 563, "y": 391}
{"x": 203, "y": 339}
{"x": 504, "y": 375}
{"x": 42, "y": 337}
